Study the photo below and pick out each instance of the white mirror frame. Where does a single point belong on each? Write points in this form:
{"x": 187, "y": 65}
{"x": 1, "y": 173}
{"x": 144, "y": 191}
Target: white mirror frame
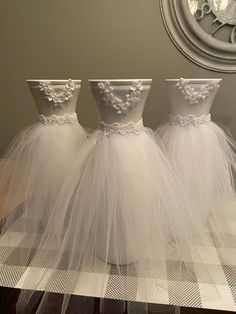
{"x": 193, "y": 41}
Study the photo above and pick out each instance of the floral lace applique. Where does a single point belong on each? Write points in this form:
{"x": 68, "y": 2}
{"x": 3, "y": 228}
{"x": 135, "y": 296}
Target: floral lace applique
{"x": 55, "y": 119}
{"x": 121, "y": 128}
{"x": 57, "y": 99}
{"x": 121, "y": 106}
{"x": 196, "y": 96}
{"x": 190, "y": 120}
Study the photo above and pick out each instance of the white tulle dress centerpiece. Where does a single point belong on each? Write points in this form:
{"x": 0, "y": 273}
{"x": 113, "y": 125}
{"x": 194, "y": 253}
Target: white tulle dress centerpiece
{"x": 38, "y": 160}
{"x": 201, "y": 152}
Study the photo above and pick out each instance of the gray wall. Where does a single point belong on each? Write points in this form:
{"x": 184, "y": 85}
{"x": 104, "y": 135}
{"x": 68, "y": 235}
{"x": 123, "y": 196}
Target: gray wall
{"x": 91, "y": 39}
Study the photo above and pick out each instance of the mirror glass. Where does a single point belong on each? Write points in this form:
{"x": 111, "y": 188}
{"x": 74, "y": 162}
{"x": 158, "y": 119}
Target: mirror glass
{"x": 216, "y": 17}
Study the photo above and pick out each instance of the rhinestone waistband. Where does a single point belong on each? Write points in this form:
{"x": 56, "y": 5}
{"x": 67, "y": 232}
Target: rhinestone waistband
{"x": 190, "y": 120}
{"x": 121, "y": 128}
{"x": 54, "y": 119}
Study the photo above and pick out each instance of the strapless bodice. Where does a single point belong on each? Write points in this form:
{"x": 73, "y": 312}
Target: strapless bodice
{"x": 120, "y": 101}
{"x": 193, "y": 97}
{"x": 55, "y": 97}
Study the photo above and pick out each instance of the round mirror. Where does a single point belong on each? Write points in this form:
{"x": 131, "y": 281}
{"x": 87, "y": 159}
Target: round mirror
{"x": 203, "y": 30}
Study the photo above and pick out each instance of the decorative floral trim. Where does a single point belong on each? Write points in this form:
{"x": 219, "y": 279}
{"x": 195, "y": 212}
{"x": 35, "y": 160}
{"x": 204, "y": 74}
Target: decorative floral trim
{"x": 66, "y": 118}
{"x": 121, "y": 128}
{"x": 191, "y": 94}
{"x": 120, "y": 106}
{"x": 190, "y": 120}
{"x": 52, "y": 96}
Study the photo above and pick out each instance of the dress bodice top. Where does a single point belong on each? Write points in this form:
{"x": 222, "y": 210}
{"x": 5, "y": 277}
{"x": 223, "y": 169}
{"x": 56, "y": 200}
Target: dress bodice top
{"x": 55, "y": 97}
{"x": 120, "y": 101}
{"x": 192, "y": 96}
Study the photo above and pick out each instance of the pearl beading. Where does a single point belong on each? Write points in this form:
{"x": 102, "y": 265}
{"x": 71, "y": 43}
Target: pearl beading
{"x": 189, "y": 120}
{"x": 58, "y": 120}
{"x": 121, "y": 128}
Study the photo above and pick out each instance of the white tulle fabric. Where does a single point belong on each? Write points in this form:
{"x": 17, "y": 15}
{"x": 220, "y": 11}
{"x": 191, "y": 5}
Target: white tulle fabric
{"x": 122, "y": 206}
{"x": 203, "y": 156}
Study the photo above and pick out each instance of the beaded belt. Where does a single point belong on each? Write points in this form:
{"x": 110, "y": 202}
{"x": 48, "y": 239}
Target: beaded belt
{"x": 190, "y": 120}
{"x": 121, "y": 128}
{"x": 66, "y": 118}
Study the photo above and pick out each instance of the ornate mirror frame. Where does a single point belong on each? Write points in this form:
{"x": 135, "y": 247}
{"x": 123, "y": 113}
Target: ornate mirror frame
{"x": 195, "y": 43}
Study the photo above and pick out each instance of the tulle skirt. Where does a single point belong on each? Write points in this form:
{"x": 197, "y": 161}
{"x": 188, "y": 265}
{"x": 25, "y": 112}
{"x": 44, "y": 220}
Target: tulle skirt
{"x": 33, "y": 171}
{"x": 204, "y": 159}
{"x": 121, "y": 213}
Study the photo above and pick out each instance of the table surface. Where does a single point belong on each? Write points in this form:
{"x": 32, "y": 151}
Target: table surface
{"x": 103, "y": 281}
